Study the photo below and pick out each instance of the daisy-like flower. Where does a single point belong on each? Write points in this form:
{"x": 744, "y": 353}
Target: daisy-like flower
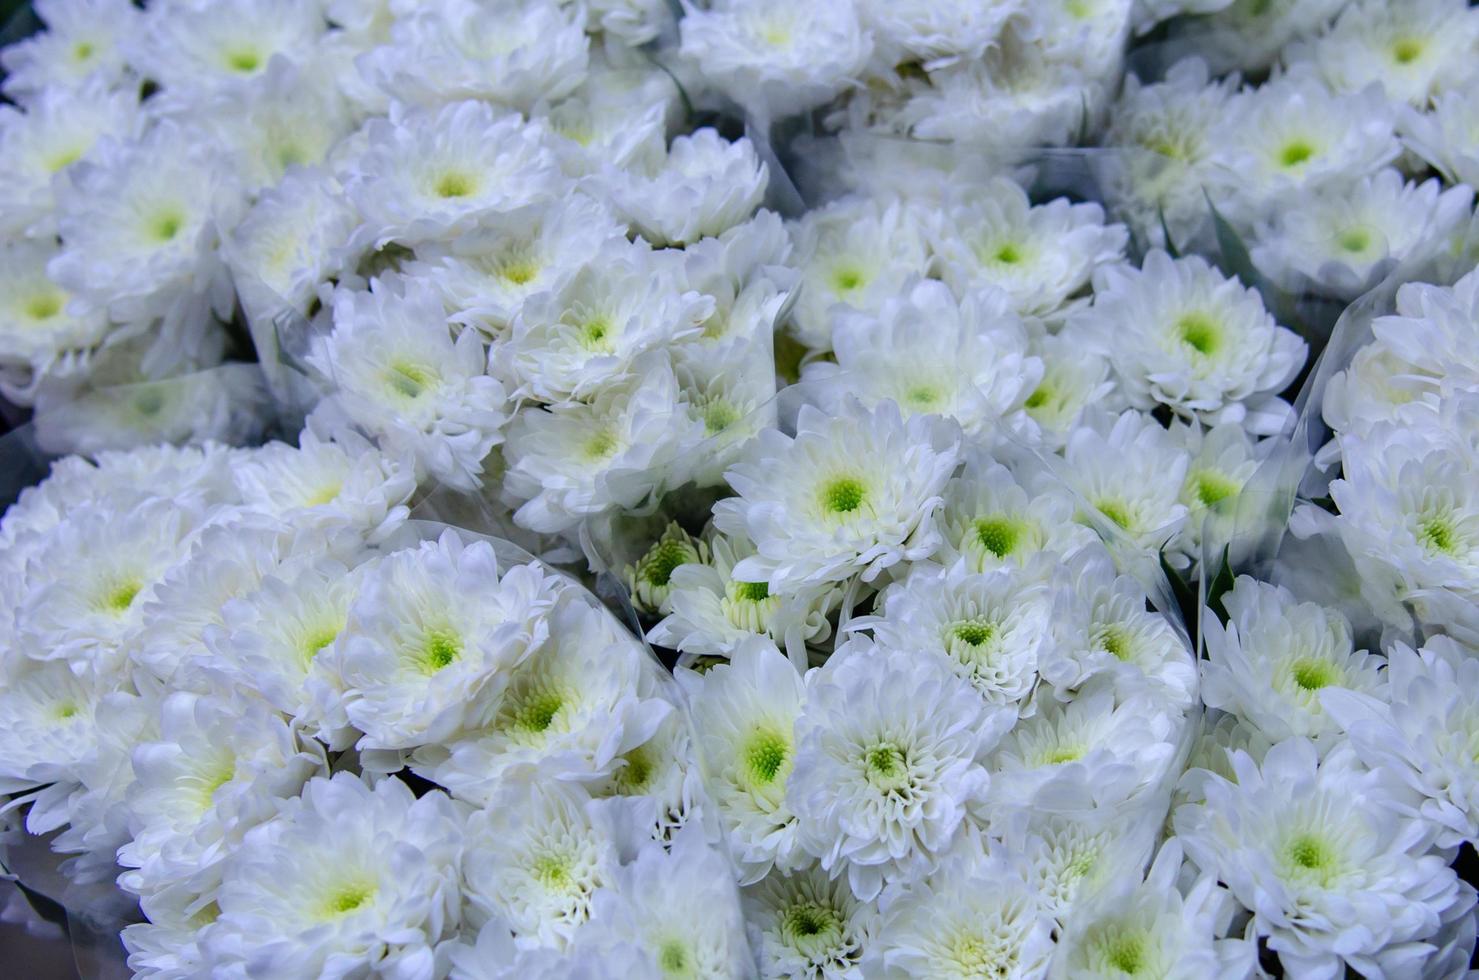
{"x": 535, "y": 857}
{"x": 1155, "y": 930}
{"x": 1414, "y": 50}
{"x": 398, "y": 372}
{"x": 431, "y": 637}
{"x": 990, "y": 628}
{"x": 810, "y": 926}
{"x": 744, "y": 713}
{"x": 346, "y": 879}
{"x": 989, "y": 521}
{"x": 83, "y": 40}
{"x": 49, "y": 728}
{"x": 1129, "y": 471}
{"x": 619, "y": 117}
{"x": 857, "y": 252}
{"x": 932, "y": 354}
{"x": 774, "y": 58}
{"x": 1342, "y": 243}
{"x": 1270, "y": 661}
{"x": 1072, "y": 856}
{"x": 952, "y": 925}
{"x": 853, "y": 493}
{"x": 713, "y": 612}
{"x": 1223, "y": 460}
{"x": 1179, "y": 334}
{"x": 650, "y": 577}
{"x": 704, "y": 187}
{"x": 1447, "y": 135}
{"x": 1426, "y": 732}
{"x": 42, "y": 336}
{"x": 1075, "y": 378}
{"x": 191, "y": 50}
{"x": 1334, "y": 875}
{"x": 890, "y": 757}
{"x": 516, "y": 55}
{"x": 662, "y": 776}
{"x": 729, "y": 387}
{"x": 1040, "y": 256}
{"x": 569, "y": 344}
{"x": 429, "y": 175}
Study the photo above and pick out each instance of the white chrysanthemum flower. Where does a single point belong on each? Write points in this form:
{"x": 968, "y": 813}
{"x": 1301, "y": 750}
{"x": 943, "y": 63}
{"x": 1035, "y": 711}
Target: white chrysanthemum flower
{"x": 890, "y": 757}
{"x": 713, "y": 612}
{"x": 534, "y": 858}
{"x": 514, "y": 54}
{"x": 1447, "y": 135}
{"x": 932, "y": 33}
{"x": 1101, "y": 626}
{"x": 140, "y": 223}
{"x": 57, "y": 129}
{"x": 851, "y": 494}
{"x": 569, "y": 344}
{"x": 49, "y": 729}
{"x": 857, "y": 252}
{"x": 1379, "y": 386}
{"x": 1342, "y": 242}
{"x": 398, "y": 372}
{"x": 347, "y": 879}
{"x": 1040, "y": 256}
{"x": 1426, "y": 732}
{"x": 649, "y": 578}
{"x": 220, "y": 766}
{"x": 990, "y": 521}
{"x": 1095, "y": 750}
{"x": 1072, "y": 857}
{"x": 744, "y": 713}
{"x": 775, "y": 58}
{"x": 574, "y": 707}
{"x": 619, "y": 117}
{"x": 1180, "y": 334}
{"x": 430, "y": 640}
{"x": 496, "y": 954}
{"x": 1223, "y": 460}
{"x": 1153, "y": 929}
{"x": 1075, "y": 380}
{"x": 704, "y": 187}
{"x": 191, "y": 49}
{"x": 1269, "y": 662}
{"x": 289, "y": 245}
{"x": 429, "y": 175}
{"x": 1334, "y": 875}
{"x": 976, "y": 916}
{"x": 167, "y": 946}
{"x": 1294, "y": 135}
{"x": 580, "y": 459}
{"x": 1166, "y": 135}
{"x": 1414, "y": 50}
{"x": 989, "y": 628}
{"x": 43, "y": 336}
{"x": 932, "y": 354}
{"x": 84, "y": 39}
{"x": 1250, "y": 34}
{"x": 1427, "y": 343}
{"x": 729, "y": 387}
{"x": 1130, "y": 471}
{"x": 810, "y": 926}
{"x": 486, "y": 275}
{"x": 661, "y": 774}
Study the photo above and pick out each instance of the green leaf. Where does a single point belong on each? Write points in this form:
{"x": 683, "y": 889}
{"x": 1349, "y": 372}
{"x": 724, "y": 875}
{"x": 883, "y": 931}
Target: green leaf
{"x": 1181, "y": 590}
{"x": 1171, "y": 248}
{"x": 1235, "y": 258}
{"x": 1220, "y": 585}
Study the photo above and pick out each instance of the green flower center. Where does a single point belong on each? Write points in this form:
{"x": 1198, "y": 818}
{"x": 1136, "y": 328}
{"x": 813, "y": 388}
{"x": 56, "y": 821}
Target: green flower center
{"x": 752, "y": 591}
{"x": 601, "y": 446}
{"x": 1308, "y": 855}
{"x": 1125, "y": 953}
{"x": 843, "y": 495}
{"x": 718, "y": 416}
{"x": 538, "y": 711}
{"x": 439, "y": 647}
{"x": 1009, "y": 253}
{"x": 121, "y": 596}
{"x": 1199, "y": 332}
{"x": 1115, "y": 640}
{"x": 808, "y": 919}
{"x": 243, "y": 60}
{"x": 764, "y": 755}
{"x": 885, "y": 767}
{"x": 520, "y": 273}
{"x": 1407, "y": 50}
{"x": 974, "y": 632}
{"x": 595, "y": 334}
{"x": 1311, "y": 674}
{"x": 348, "y": 898}
{"x": 847, "y": 278}
{"x": 454, "y": 184}
{"x": 408, "y": 380}
{"x": 1062, "y": 754}
{"x": 1294, "y": 153}
{"x": 64, "y": 710}
{"x": 1211, "y": 487}
{"x": 998, "y": 535}
{"x": 658, "y": 568}
{"x": 632, "y": 778}
{"x": 551, "y": 870}
{"x": 44, "y": 306}
{"x": 317, "y": 640}
{"x": 1040, "y": 396}
{"x": 1116, "y": 511}
{"x": 1355, "y": 240}
{"x": 1436, "y": 534}
{"x": 166, "y": 225}
{"x": 673, "y": 958}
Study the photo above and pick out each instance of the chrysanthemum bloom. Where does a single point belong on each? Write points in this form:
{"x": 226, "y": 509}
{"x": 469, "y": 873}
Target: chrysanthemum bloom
{"x": 1447, "y": 135}
{"x": 41, "y": 338}
{"x": 1334, "y": 875}
{"x": 1128, "y": 469}
{"x": 850, "y": 494}
{"x": 991, "y": 522}
{"x": 811, "y": 926}
{"x": 346, "y": 880}
{"x": 85, "y": 40}
{"x": 890, "y": 757}
{"x": 192, "y": 51}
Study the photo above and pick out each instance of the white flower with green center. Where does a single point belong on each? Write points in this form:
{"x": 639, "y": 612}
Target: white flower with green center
{"x": 1039, "y": 256}
{"x": 1075, "y": 381}
{"x": 662, "y": 770}
{"x": 1427, "y": 734}
{"x": 1070, "y": 857}
{"x": 729, "y": 385}
{"x": 714, "y": 612}
{"x": 851, "y": 494}
{"x": 1429, "y": 332}
{"x": 890, "y": 757}
{"x": 618, "y": 117}
{"x": 1336, "y": 876}
{"x": 989, "y": 628}
{"x": 1223, "y": 460}
{"x": 1180, "y": 334}
{"x": 84, "y": 43}
{"x": 950, "y": 926}
{"x": 430, "y": 639}
{"x": 574, "y": 706}
{"x": 346, "y": 876}
{"x": 486, "y": 275}
{"x": 744, "y": 713}
{"x": 42, "y": 336}
{"x": 932, "y": 355}
{"x": 811, "y": 926}
{"x": 774, "y": 58}
{"x": 1098, "y": 749}
{"x": 990, "y": 522}
{"x": 48, "y": 727}
{"x": 535, "y": 857}
{"x": 571, "y": 344}
{"x": 220, "y": 766}
{"x": 399, "y": 373}
{"x": 1275, "y": 655}
{"x": 194, "y": 51}
{"x": 650, "y": 577}
{"x": 1129, "y": 471}
{"x": 451, "y": 49}
{"x": 432, "y": 174}
{"x": 858, "y": 252}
